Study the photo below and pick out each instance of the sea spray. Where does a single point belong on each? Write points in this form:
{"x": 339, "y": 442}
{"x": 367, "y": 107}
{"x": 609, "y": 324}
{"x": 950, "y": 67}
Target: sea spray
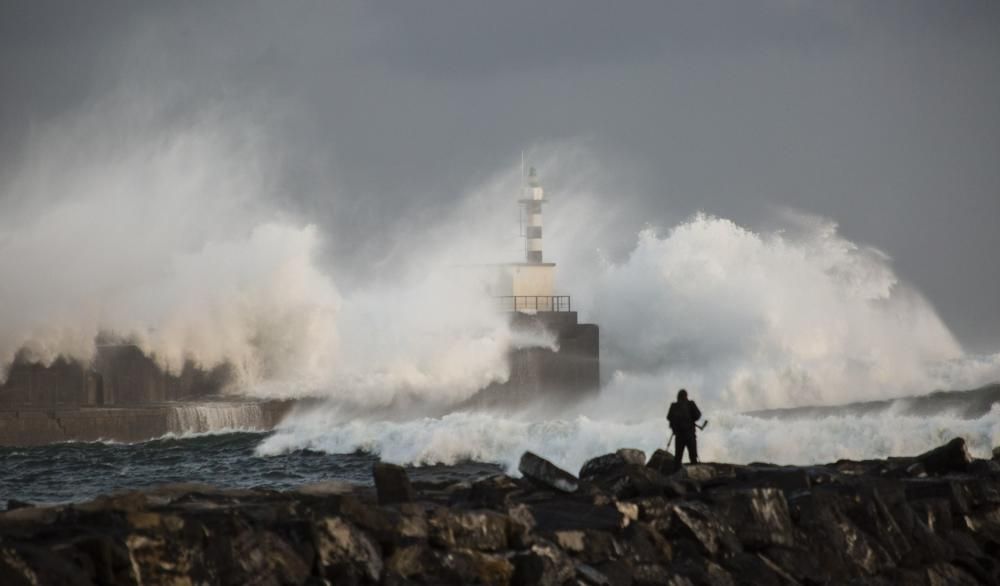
{"x": 569, "y": 442}
{"x": 217, "y": 417}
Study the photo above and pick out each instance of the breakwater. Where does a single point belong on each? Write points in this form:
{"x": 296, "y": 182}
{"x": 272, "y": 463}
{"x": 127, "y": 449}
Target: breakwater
{"x": 929, "y": 519}
{"x": 27, "y": 426}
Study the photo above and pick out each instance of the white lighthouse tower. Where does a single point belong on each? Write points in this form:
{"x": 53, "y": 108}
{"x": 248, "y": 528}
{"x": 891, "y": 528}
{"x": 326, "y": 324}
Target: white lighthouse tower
{"x": 534, "y": 197}
{"x": 528, "y": 286}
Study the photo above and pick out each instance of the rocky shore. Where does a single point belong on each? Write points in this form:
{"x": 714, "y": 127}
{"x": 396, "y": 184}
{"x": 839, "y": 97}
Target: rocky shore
{"x": 930, "y": 519}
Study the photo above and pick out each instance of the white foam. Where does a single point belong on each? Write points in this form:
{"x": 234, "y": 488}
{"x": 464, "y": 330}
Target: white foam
{"x": 570, "y": 442}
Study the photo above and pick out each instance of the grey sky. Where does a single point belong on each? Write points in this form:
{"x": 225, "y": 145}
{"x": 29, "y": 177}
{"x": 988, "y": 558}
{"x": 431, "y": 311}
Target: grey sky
{"x": 882, "y": 116}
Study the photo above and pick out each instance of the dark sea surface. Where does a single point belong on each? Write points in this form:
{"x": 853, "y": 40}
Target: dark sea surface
{"x": 73, "y": 472}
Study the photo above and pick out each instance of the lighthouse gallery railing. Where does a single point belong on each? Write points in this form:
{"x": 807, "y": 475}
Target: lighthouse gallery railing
{"x": 535, "y": 303}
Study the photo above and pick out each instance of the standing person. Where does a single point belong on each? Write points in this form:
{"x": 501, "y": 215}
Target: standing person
{"x": 682, "y": 417}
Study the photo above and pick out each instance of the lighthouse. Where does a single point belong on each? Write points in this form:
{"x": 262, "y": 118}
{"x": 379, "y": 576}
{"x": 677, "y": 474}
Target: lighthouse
{"x": 532, "y": 202}
{"x": 570, "y": 366}
{"x": 529, "y": 286}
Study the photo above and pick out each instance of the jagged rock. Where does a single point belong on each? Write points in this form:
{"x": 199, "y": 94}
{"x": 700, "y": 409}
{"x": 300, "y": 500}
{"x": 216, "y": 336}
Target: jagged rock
{"x": 756, "y": 569}
{"x": 643, "y": 544}
{"x": 633, "y": 456}
{"x": 632, "y": 481}
{"x": 542, "y": 565}
{"x": 695, "y": 520}
{"x": 759, "y": 524}
{"x": 996, "y": 453}
{"x": 759, "y": 516}
{"x": 392, "y": 484}
{"x": 492, "y": 492}
{"x": 788, "y": 479}
{"x": 16, "y": 504}
{"x": 985, "y": 467}
{"x": 703, "y": 571}
{"x": 840, "y": 547}
{"x": 943, "y": 574}
{"x": 591, "y": 575}
{"x": 662, "y": 461}
{"x": 939, "y": 488}
{"x": 542, "y": 471}
{"x": 482, "y": 530}
{"x": 345, "y": 554}
{"x": 263, "y": 553}
{"x": 589, "y": 545}
{"x": 410, "y": 562}
{"x": 462, "y": 566}
{"x": 653, "y": 574}
{"x": 568, "y": 514}
{"x": 602, "y": 466}
{"x": 709, "y": 474}
{"x": 951, "y": 457}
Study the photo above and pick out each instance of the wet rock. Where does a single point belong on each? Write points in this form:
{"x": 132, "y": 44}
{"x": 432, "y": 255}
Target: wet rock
{"x": 650, "y": 574}
{"x": 345, "y": 554}
{"x": 481, "y": 530}
{"x": 985, "y": 467}
{"x": 951, "y": 457}
{"x": 709, "y": 474}
{"x": 392, "y": 484}
{"x": 939, "y": 488}
{"x": 746, "y": 568}
{"x": 493, "y": 492}
{"x": 634, "y": 481}
{"x": 462, "y": 566}
{"x": 410, "y": 562}
{"x": 703, "y": 571}
{"x": 569, "y": 514}
{"x": 589, "y": 545}
{"x": 662, "y": 461}
{"x": 256, "y": 554}
{"x": 591, "y": 575}
{"x": 643, "y": 544}
{"x": 760, "y": 516}
{"x": 695, "y": 520}
{"x": 544, "y": 472}
{"x": 542, "y": 565}
{"x": 602, "y": 466}
{"x": 633, "y": 456}
{"x": 787, "y": 479}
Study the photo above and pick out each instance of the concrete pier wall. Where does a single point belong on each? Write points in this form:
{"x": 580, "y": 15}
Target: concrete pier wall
{"x": 118, "y": 375}
{"x": 571, "y": 372}
{"x": 31, "y": 426}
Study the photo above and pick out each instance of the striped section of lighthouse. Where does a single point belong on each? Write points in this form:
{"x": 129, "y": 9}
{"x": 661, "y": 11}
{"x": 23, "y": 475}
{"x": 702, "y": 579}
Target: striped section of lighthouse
{"x": 534, "y": 198}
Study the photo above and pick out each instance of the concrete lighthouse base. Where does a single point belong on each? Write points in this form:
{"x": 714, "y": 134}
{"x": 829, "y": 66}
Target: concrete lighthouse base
{"x": 569, "y": 372}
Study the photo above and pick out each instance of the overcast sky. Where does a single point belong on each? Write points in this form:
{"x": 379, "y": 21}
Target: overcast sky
{"x": 884, "y": 117}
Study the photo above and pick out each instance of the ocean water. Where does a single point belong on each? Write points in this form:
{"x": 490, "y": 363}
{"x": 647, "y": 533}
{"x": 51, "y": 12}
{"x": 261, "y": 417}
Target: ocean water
{"x": 78, "y": 471}
{"x": 318, "y": 442}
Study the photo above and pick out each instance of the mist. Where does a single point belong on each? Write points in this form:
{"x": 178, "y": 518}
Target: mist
{"x": 770, "y": 206}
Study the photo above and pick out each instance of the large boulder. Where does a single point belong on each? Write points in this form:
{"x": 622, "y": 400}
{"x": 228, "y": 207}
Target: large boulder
{"x": 345, "y": 554}
{"x": 602, "y": 466}
{"x": 542, "y": 565}
{"x": 662, "y": 461}
{"x": 482, "y": 530}
{"x": 633, "y": 456}
{"x": 951, "y": 457}
{"x": 698, "y": 522}
{"x": 546, "y": 473}
{"x": 392, "y": 484}
{"x": 759, "y": 516}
